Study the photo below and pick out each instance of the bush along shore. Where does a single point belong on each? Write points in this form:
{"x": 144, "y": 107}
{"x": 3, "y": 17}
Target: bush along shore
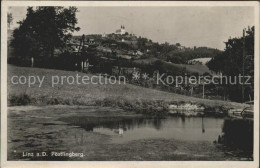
{"x": 156, "y": 108}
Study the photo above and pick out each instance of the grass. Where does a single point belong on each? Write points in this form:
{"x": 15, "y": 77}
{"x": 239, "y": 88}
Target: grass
{"x": 125, "y": 96}
{"x": 197, "y": 68}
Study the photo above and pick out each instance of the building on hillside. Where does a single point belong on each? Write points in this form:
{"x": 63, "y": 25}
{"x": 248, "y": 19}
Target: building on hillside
{"x": 139, "y": 53}
{"x": 124, "y": 70}
{"x": 129, "y": 71}
{"x": 104, "y": 35}
{"x": 91, "y": 41}
{"x": 181, "y": 48}
{"x": 104, "y": 49}
{"x": 124, "y": 56}
{"x": 121, "y": 31}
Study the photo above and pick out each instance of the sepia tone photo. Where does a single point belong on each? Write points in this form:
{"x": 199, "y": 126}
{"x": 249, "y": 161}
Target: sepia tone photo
{"x": 130, "y": 82}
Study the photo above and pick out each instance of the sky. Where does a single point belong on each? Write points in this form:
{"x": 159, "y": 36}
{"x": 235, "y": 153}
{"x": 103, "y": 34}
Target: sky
{"x": 189, "y": 26}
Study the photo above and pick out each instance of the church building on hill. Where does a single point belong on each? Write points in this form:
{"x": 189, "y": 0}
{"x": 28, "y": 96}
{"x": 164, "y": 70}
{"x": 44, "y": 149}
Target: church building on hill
{"x": 121, "y": 31}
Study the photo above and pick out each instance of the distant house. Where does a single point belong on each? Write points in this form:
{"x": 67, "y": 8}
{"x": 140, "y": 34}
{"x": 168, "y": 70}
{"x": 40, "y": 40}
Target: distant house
{"x": 104, "y": 49}
{"x": 73, "y": 46}
{"x": 124, "y": 56}
{"x": 113, "y": 46}
{"x": 91, "y": 41}
{"x": 139, "y": 53}
{"x": 131, "y": 52}
{"x": 124, "y": 70}
{"x": 181, "y": 47}
{"x": 104, "y": 35}
{"x": 128, "y": 71}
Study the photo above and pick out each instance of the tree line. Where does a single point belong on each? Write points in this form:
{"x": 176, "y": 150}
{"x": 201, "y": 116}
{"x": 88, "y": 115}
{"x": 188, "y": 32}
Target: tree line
{"x": 231, "y": 63}
{"x": 44, "y": 31}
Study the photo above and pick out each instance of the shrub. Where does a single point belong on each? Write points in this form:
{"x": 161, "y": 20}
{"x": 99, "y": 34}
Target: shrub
{"x": 19, "y": 100}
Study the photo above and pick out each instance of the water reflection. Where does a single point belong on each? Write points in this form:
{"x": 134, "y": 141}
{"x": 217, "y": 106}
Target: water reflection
{"x": 234, "y": 135}
{"x": 126, "y": 129}
{"x": 237, "y": 134}
{"x": 203, "y": 127}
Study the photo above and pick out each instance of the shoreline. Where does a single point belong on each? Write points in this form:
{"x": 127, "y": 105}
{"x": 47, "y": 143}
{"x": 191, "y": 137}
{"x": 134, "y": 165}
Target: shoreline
{"x": 145, "y": 107}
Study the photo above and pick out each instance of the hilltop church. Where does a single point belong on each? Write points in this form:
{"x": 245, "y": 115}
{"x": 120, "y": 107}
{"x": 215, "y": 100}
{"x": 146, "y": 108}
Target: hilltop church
{"x": 121, "y": 31}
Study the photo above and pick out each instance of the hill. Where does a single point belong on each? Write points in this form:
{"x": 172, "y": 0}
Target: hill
{"x": 129, "y": 43}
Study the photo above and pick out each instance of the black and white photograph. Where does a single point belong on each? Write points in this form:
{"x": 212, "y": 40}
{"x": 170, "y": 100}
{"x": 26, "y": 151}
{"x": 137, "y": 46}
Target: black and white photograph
{"x": 130, "y": 81}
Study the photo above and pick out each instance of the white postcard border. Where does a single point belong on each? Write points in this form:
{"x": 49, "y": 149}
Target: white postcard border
{"x": 115, "y": 164}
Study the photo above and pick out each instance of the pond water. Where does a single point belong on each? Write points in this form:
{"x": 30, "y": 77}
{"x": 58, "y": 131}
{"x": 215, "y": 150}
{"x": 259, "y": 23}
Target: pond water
{"x": 123, "y": 130}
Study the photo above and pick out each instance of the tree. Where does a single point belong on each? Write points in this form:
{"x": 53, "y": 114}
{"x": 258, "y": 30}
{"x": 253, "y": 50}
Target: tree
{"x": 141, "y": 43}
{"x": 44, "y": 30}
{"x": 230, "y": 63}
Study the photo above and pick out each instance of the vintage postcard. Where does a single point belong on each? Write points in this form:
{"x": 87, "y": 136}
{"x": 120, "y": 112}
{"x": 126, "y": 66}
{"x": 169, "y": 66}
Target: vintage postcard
{"x": 129, "y": 84}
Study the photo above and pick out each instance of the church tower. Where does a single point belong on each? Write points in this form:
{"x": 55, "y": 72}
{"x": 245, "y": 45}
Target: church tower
{"x": 122, "y": 30}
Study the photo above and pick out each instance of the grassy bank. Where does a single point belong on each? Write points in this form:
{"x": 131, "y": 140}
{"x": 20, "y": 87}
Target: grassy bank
{"x": 125, "y": 96}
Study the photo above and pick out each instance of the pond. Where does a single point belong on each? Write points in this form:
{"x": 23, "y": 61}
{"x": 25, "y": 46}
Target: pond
{"x": 98, "y": 132}
{"x": 122, "y": 130}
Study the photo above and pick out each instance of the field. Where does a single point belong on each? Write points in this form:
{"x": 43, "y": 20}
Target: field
{"x": 197, "y": 68}
{"x": 202, "y": 60}
{"x": 126, "y": 96}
